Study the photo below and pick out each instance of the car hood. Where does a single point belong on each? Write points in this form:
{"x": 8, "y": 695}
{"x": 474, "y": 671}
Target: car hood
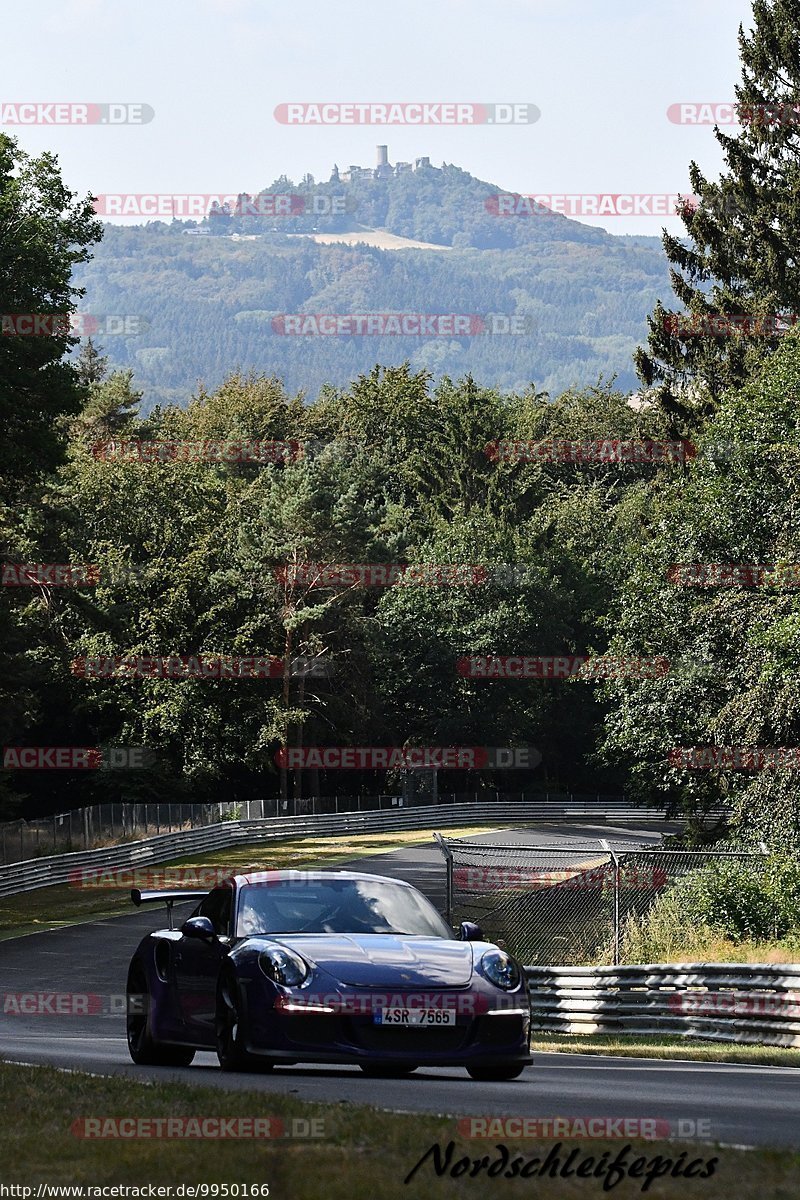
{"x": 385, "y": 960}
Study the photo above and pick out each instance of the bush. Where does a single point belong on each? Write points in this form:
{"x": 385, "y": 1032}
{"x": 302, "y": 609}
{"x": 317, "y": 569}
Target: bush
{"x": 724, "y": 901}
{"x": 731, "y": 898}
{"x": 782, "y": 884}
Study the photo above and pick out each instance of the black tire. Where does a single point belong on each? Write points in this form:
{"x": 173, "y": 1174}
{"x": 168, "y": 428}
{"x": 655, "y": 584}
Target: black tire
{"x": 387, "y": 1070}
{"x": 229, "y": 1030}
{"x": 142, "y": 1046}
{"x": 497, "y": 1071}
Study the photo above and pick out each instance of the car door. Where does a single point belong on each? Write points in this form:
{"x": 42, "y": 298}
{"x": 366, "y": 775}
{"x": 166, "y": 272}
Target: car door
{"x": 197, "y": 964}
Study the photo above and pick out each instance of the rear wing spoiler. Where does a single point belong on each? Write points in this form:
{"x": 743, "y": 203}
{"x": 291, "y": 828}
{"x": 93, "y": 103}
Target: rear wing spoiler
{"x": 140, "y": 896}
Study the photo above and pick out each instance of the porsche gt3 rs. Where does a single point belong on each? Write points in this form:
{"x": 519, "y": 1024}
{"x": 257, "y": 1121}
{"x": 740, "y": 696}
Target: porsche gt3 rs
{"x": 282, "y": 967}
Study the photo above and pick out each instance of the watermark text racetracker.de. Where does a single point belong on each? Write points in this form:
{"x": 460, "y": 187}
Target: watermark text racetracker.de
{"x": 70, "y": 1004}
{"x": 423, "y": 1009}
{"x": 602, "y": 451}
{"x": 746, "y": 575}
{"x": 402, "y": 324}
{"x": 77, "y": 758}
{"x": 406, "y": 113}
{"x": 49, "y": 575}
{"x": 196, "y": 879}
{"x": 481, "y": 880}
{"x": 38, "y": 112}
{"x": 386, "y": 758}
{"x": 715, "y": 325}
{"x": 735, "y": 758}
{"x": 566, "y": 666}
{"x": 141, "y": 450}
{"x": 199, "y": 205}
{"x": 72, "y": 324}
{"x": 649, "y": 1129}
{"x": 588, "y": 204}
{"x": 192, "y": 1128}
{"x": 332, "y": 575}
{"x": 728, "y": 112}
{"x": 198, "y": 666}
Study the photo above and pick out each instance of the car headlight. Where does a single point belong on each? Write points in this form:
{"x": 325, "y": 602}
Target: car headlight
{"x": 283, "y": 966}
{"x": 501, "y": 970}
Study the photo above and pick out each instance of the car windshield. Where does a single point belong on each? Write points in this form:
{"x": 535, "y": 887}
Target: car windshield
{"x": 336, "y": 906}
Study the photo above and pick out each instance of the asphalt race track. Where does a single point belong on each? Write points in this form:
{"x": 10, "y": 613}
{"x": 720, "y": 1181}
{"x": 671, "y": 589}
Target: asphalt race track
{"x": 739, "y": 1105}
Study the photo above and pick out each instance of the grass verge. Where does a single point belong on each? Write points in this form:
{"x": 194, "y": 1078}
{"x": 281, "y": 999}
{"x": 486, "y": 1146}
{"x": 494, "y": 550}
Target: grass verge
{"x": 364, "y": 1153}
{"x": 53, "y": 907}
{"x": 666, "y": 1047}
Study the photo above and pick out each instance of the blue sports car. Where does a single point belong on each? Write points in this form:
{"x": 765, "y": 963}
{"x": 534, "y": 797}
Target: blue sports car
{"x": 282, "y": 967}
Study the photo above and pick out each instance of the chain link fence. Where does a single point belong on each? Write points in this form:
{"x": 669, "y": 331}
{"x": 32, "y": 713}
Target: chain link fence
{"x": 565, "y": 903}
{"x": 100, "y": 825}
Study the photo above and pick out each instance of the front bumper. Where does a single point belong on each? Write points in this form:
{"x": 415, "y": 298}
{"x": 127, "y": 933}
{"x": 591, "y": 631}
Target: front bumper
{"x": 345, "y": 1037}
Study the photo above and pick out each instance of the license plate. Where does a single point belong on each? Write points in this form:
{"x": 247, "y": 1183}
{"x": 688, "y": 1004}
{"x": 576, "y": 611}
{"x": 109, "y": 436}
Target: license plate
{"x": 430, "y": 1017}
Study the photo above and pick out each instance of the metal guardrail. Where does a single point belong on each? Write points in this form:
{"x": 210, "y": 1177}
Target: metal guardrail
{"x": 729, "y": 1002}
{"x": 95, "y": 826}
{"x": 59, "y": 868}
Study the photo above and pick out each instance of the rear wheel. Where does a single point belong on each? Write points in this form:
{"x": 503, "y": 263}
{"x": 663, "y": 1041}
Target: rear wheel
{"x": 230, "y": 1032}
{"x": 387, "y": 1070}
{"x": 142, "y": 1046}
{"x": 496, "y": 1071}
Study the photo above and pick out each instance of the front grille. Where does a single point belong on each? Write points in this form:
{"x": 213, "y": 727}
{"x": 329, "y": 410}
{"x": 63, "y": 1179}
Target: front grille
{"x": 411, "y": 1040}
{"x": 317, "y": 1029}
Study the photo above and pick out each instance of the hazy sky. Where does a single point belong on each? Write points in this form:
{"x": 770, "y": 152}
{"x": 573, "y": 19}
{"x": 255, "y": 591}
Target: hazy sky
{"x": 602, "y": 74}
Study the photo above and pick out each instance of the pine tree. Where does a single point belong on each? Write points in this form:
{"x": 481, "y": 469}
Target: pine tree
{"x": 111, "y": 405}
{"x": 91, "y": 365}
{"x": 743, "y": 251}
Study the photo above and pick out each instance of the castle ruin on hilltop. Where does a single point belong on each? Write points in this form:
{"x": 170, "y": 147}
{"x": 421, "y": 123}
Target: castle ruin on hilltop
{"x": 382, "y": 170}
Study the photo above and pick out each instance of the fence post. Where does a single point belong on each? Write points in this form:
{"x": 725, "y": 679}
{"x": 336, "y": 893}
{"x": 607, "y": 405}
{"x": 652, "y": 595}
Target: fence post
{"x": 607, "y": 847}
{"x": 448, "y": 856}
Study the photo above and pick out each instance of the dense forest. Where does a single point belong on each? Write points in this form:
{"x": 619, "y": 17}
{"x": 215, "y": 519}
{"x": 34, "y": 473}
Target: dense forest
{"x": 203, "y": 301}
{"x": 398, "y": 471}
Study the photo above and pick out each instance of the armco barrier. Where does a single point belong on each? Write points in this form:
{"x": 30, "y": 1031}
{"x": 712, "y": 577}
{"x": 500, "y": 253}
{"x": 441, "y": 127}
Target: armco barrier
{"x": 44, "y": 872}
{"x": 97, "y": 825}
{"x": 729, "y": 1002}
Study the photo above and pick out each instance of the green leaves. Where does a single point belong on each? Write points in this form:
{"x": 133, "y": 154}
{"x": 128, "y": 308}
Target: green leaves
{"x": 44, "y": 232}
{"x": 734, "y": 649}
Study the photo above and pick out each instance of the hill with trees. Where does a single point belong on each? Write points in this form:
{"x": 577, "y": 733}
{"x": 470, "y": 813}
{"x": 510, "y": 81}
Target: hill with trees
{"x": 206, "y": 295}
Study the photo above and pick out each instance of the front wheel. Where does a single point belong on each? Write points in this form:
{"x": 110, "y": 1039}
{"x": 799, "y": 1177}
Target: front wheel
{"x": 496, "y": 1072}
{"x": 230, "y": 1031}
{"x": 142, "y": 1046}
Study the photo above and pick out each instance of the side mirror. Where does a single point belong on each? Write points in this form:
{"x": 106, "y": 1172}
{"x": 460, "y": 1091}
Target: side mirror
{"x": 198, "y": 927}
{"x": 470, "y": 932}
